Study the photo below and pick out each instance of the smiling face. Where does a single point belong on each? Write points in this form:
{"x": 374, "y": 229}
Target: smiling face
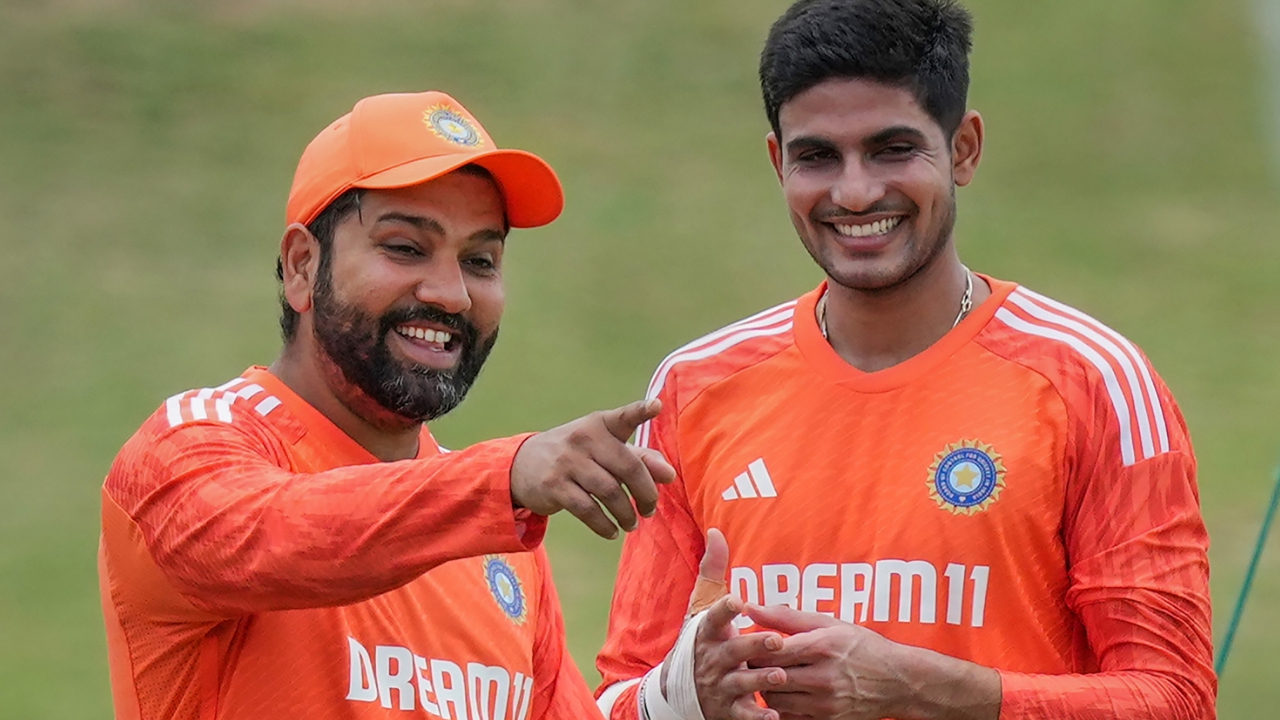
{"x": 869, "y": 178}
{"x": 407, "y": 302}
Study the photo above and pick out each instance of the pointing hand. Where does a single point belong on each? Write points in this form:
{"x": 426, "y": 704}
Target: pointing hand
{"x": 576, "y": 465}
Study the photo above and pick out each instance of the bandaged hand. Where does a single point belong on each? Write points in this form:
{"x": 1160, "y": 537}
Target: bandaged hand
{"x": 705, "y": 676}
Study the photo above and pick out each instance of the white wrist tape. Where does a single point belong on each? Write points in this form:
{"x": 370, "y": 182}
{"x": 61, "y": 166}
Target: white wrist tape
{"x": 680, "y": 701}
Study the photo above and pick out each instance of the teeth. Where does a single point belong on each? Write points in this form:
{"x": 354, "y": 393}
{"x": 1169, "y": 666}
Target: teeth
{"x": 431, "y": 336}
{"x": 880, "y": 227}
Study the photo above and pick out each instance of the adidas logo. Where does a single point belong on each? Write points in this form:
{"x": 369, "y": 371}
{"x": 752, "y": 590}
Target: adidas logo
{"x": 755, "y": 482}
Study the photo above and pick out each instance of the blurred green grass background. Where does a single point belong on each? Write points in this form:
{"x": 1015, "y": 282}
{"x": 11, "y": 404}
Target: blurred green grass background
{"x": 146, "y": 149}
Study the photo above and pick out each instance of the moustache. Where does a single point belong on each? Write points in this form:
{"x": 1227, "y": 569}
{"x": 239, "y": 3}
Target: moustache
{"x": 833, "y": 215}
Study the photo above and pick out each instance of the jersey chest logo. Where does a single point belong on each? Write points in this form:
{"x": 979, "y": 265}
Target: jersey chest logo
{"x": 505, "y": 586}
{"x": 754, "y": 483}
{"x": 966, "y": 477}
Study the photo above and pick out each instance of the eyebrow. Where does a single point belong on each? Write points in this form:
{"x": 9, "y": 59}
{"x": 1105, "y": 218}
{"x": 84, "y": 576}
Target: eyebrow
{"x": 489, "y": 236}
{"x": 896, "y": 132}
{"x": 427, "y": 224}
{"x": 809, "y": 142}
{"x": 814, "y": 142}
{"x": 419, "y": 221}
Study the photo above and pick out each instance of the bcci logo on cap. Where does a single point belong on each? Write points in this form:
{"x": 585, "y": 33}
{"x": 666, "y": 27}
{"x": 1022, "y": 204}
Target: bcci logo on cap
{"x": 505, "y": 586}
{"x": 966, "y": 477}
{"x": 449, "y": 124}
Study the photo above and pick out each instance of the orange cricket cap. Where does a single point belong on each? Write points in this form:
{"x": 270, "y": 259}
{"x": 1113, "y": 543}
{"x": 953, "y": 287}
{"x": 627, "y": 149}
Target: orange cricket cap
{"x": 402, "y": 139}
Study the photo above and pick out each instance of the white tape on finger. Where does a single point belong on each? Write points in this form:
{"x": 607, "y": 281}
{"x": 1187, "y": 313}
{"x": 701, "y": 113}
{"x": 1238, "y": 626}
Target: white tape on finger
{"x": 680, "y": 702}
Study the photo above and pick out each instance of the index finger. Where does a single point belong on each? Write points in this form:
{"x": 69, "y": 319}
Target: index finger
{"x": 719, "y": 618}
{"x": 787, "y": 619}
{"x": 622, "y": 422}
{"x": 794, "y": 650}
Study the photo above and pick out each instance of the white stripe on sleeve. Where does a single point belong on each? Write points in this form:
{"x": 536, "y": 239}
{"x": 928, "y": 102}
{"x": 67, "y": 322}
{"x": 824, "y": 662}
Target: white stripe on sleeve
{"x": 1162, "y": 430}
{"x": 611, "y": 694}
{"x": 1118, "y": 401}
{"x": 1126, "y": 364}
{"x": 173, "y": 409}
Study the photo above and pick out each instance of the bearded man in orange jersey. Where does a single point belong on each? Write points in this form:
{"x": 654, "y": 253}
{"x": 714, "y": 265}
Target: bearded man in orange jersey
{"x": 944, "y": 495}
{"x": 294, "y": 543}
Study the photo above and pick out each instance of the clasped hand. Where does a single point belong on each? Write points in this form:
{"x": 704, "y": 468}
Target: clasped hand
{"x": 804, "y": 665}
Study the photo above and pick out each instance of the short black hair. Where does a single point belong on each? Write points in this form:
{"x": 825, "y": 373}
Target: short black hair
{"x": 920, "y": 45}
{"x": 322, "y": 228}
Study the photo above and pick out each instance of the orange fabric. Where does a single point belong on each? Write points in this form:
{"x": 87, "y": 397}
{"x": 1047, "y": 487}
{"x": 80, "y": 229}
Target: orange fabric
{"x": 256, "y": 562}
{"x": 1021, "y": 495}
{"x": 401, "y": 139}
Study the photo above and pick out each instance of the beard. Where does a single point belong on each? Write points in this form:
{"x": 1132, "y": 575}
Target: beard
{"x": 356, "y": 342}
{"x": 918, "y": 252}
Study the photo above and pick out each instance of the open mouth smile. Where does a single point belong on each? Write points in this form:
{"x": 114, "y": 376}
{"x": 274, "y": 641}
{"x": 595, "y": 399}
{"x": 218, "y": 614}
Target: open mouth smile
{"x": 872, "y": 229}
{"x": 435, "y": 347}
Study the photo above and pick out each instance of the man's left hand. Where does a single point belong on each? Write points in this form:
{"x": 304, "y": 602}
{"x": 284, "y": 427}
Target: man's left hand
{"x": 834, "y": 669}
{"x": 839, "y": 671}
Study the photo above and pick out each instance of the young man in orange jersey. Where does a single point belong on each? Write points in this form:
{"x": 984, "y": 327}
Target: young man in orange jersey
{"x": 943, "y": 495}
{"x": 294, "y": 543}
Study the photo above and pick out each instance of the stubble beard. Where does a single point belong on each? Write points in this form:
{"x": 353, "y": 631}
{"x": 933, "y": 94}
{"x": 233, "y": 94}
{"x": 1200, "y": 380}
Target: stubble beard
{"x": 355, "y": 342}
{"x": 919, "y": 253}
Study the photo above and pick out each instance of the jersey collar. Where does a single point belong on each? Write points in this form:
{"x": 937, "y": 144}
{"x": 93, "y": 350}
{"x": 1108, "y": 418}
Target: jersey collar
{"x": 321, "y": 429}
{"x": 822, "y": 357}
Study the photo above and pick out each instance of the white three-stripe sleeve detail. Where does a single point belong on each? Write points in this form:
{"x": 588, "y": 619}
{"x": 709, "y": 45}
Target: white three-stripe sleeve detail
{"x": 737, "y": 338}
{"x": 1126, "y": 364}
{"x": 765, "y": 319}
{"x": 173, "y": 409}
{"x": 642, "y": 435}
{"x": 216, "y": 402}
{"x": 660, "y": 379}
{"x": 248, "y": 391}
{"x": 1118, "y": 402}
{"x": 760, "y": 474}
{"x": 199, "y": 410}
{"x": 611, "y": 694}
{"x": 268, "y": 404}
{"x": 222, "y": 408}
{"x": 1162, "y": 430}
{"x": 761, "y": 319}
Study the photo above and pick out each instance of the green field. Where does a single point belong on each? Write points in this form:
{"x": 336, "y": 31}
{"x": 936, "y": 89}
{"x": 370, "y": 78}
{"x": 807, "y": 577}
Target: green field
{"x": 146, "y": 149}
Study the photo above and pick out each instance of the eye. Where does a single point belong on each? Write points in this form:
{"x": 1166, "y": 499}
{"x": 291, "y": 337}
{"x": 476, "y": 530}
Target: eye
{"x": 900, "y": 150}
{"x": 481, "y": 264}
{"x": 810, "y": 157}
{"x": 402, "y": 249}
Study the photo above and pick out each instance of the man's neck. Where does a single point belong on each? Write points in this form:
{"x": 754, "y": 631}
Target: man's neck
{"x": 387, "y": 437}
{"x": 875, "y": 330}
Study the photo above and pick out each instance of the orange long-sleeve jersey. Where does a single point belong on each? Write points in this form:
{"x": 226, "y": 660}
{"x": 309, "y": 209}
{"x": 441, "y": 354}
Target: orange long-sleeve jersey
{"x": 256, "y": 562}
{"x": 1021, "y": 495}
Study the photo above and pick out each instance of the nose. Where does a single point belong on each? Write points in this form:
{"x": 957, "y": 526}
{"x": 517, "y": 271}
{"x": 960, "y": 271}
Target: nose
{"x": 444, "y": 286}
{"x": 858, "y": 188}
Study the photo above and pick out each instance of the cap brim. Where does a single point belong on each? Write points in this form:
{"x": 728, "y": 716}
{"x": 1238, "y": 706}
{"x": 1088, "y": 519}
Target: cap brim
{"x": 530, "y": 189}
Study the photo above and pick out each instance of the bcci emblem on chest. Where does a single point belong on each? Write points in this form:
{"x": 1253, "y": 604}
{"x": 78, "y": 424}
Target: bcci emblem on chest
{"x": 966, "y": 477}
{"x": 505, "y": 586}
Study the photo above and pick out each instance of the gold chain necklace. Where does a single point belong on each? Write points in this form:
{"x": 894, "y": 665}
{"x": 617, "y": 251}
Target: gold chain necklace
{"x": 966, "y": 304}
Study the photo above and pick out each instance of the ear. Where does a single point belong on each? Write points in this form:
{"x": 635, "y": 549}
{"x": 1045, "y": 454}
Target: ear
{"x": 966, "y": 147}
{"x": 300, "y": 260}
{"x": 775, "y": 153}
